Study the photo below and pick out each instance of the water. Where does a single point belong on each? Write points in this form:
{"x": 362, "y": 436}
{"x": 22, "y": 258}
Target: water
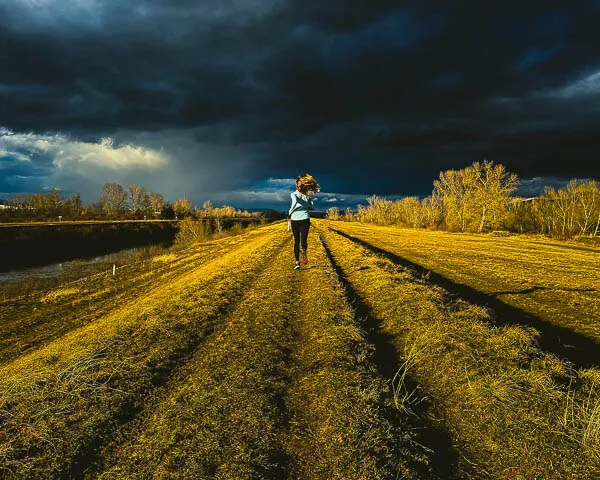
{"x": 55, "y": 269}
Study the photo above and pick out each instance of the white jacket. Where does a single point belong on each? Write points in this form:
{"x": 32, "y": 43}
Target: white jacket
{"x": 301, "y": 204}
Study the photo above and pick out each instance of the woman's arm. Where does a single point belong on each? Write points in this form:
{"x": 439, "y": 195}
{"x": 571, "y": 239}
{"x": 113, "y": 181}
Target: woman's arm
{"x": 294, "y": 198}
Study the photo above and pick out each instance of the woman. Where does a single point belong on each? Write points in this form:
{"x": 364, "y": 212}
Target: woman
{"x": 298, "y": 218}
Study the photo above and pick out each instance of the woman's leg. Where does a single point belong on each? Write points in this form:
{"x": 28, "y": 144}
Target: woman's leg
{"x": 296, "y": 232}
{"x": 304, "y": 236}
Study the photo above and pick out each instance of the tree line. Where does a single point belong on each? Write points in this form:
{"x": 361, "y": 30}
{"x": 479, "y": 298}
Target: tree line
{"x": 115, "y": 203}
{"x": 481, "y": 198}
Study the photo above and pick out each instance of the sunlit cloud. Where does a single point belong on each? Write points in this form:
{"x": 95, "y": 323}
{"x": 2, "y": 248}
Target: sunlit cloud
{"x": 33, "y": 161}
{"x": 66, "y": 153}
{"x": 281, "y": 181}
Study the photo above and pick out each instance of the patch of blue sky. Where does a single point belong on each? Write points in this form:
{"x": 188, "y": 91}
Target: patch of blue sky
{"x": 16, "y": 163}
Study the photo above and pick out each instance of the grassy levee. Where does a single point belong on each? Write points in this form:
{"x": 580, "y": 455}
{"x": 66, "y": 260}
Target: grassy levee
{"x": 513, "y": 410}
{"x": 229, "y": 416}
{"x": 556, "y": 282}
{"x": 225, "y": 419}
{"x": 67, "y": 397}
{"x": 342, "y": 423}
{"x": 29, "y": 322}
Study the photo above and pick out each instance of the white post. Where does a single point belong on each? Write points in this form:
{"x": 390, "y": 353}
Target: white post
{"x": 114, "y": 269}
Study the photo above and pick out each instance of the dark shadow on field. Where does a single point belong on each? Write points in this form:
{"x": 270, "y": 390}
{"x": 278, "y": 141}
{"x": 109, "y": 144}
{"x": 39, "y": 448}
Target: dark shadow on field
{"x": 537, "y": 288}
{"x": 444, "y": 459}
{"x": 582, "y": 351}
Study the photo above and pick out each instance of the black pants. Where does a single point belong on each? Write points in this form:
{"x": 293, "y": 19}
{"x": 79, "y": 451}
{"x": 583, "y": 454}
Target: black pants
{"x": 300, "y": 230}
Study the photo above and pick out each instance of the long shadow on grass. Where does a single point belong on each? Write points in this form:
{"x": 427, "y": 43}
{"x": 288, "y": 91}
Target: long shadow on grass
{"x": 88, "y": 462}
{"x": 537, "y": 288}
{"x": 444, "y": 459}
{"x": 578, "y": 349}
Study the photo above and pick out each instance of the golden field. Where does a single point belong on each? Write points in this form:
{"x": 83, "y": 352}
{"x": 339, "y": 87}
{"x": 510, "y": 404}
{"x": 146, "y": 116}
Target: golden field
{"x": 558, "y": 282}
{"x": 223, "y": 362}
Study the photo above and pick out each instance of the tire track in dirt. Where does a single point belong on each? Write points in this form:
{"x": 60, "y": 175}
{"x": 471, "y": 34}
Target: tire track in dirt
{"x": 443, "y": 458}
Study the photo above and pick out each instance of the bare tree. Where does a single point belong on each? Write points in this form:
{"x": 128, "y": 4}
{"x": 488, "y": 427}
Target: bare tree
{"x": 455, "y": 191}
{"x": 493, "y": 187}
{"x": 348, "y": 214}
{"x": 333, "y": 213}
{"x": 114, "y": 199}
{"x": 413, "y": 211}
{"x": 75, "y": 202}
{"x": 140, "y": 201}
{"x": 477, "y": 197}
{"x": 589, "y": 196}
{"x": 432, "y": 212}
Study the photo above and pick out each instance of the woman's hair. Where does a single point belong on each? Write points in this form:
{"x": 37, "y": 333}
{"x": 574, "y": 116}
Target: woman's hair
{"x": 305, "y": 183}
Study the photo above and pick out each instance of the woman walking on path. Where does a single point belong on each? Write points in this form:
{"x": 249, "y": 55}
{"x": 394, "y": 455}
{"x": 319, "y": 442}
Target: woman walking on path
{"x": 298, "y": 218}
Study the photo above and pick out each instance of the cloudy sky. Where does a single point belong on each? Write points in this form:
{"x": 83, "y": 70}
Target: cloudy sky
{"x": 230, "y": 100}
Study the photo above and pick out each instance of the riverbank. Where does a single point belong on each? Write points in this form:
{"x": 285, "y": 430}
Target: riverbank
{"x": 44, "y": 244}
{"x": 25, "y": 281}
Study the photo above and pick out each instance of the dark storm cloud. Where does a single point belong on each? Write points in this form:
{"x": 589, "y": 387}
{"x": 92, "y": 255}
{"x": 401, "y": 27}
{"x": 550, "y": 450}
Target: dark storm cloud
{"x": 372, "y": 97}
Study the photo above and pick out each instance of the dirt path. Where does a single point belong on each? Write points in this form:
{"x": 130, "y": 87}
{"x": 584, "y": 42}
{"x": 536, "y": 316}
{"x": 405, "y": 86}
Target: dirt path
{"x": 343, "y": 423}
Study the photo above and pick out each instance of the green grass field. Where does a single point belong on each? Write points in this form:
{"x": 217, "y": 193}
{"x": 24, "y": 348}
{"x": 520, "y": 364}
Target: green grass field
{"x": 223, "y": 362}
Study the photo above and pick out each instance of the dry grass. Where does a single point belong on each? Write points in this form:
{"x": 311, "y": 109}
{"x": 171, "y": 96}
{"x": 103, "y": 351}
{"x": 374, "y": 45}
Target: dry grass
{"x": 284, "y": 390}
{"x": 61, "y": 397}
{"x": 558, "y": 282}
{"x": 499, "y": 395}
{"x": 342, "y": 426}
{"x": 47, "y": 314}
{"x": 223, "y": 362}
{"x": 59, "y": 294}
{"x": 224, "y": 419}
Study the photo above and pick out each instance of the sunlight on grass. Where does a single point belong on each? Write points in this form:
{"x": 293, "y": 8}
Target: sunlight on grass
{"x": 62, "y": 395}
{"x": 500, "y": 396}
{"x": 59, "y": 294}
{"x": 557, "y": 281}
